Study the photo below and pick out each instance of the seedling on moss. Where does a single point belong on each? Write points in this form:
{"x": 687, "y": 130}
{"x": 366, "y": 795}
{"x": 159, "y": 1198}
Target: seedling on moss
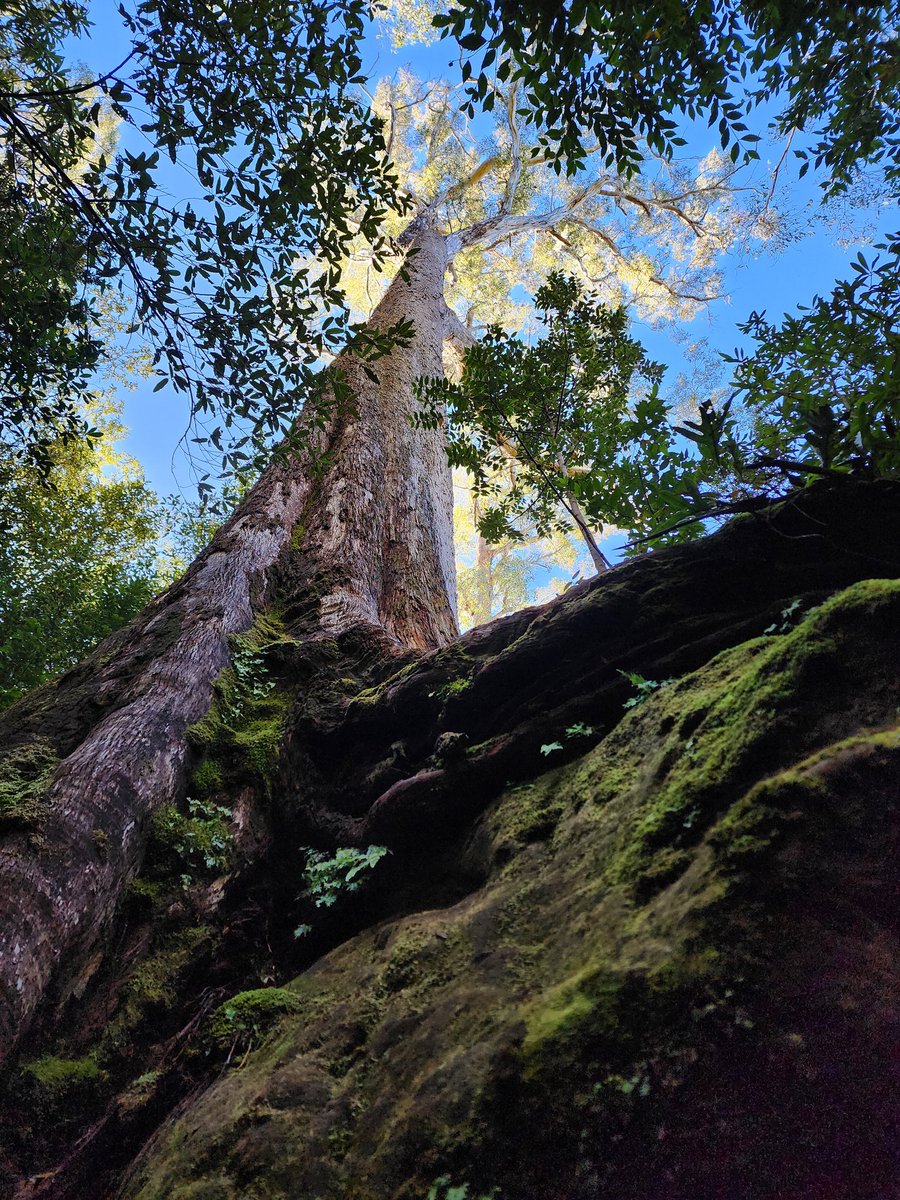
{"x": 637, "y": 1084}
{"x": 579, "y": 729}
{"x": 644, "y": 687}
{"x": 444, "y": 1189}
{"x": 790, "y": 617}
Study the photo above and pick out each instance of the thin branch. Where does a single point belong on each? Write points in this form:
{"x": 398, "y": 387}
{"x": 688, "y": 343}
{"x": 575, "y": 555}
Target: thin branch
{"x": 786, "y": 464}
{"x": 74, "y": 90}
{"x": 675, "y": 292}
{"x": 502, "y": 225}
{"x": 784, "y": 154}
{"x": 537, "y": 160}
{"x": 751, "y": 504}
{"x": 515, "y": 170}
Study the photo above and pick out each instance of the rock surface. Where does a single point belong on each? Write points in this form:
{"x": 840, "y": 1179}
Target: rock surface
{"x": 679, "y": 977}
{"x": 635, "y": 940}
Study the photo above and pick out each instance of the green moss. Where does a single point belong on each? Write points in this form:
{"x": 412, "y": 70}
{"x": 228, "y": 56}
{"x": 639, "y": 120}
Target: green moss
{"x": 248, "y": 1017}
{"x": 139, "y": 1092}
{"x": 455, "y": 687}
{"x": 208, "y": 1189}
{"x": 563, "y": 1011}
{"x": 258, "y": 741}
{"x": 59, "y": 1075}
{"x": 153, "y": 987}
{"x": 207, "y": 778}
{"x": 145, "y": 898}
{"x": 677, "y": 777}
{"x": 188, "y": 846}
{"x": 418, "y": 961}
{"x": 749, "y": 709}
{"x": 753, "y": 825}
{"x": 529, "y": 812}
{"x": 25, "y": 775}
{"x": 244, "y": 727}
{"x": 298, "y": 533}
{"x": 374, "y": 695}
{"x": 760, "y": 822}
{"x": 59, "y": 1088}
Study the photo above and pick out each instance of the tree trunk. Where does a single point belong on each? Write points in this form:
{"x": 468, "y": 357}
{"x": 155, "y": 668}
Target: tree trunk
{"x": 368, "y": 542}
{"x": 381, "y": 532}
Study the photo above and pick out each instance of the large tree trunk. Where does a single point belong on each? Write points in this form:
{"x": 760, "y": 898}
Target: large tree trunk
{"x": 366, "y": 542}
{"x": 381, "y": 532}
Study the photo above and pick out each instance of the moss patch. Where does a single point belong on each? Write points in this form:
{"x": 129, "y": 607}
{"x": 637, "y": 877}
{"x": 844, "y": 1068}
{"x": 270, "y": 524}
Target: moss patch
{"x": 57, "y": 1088}
{"x": 207, "y": 778}
{"x": 752, "y": 708}
{"x": 25, "y": 775}
{"x": 248, "y": 1017}
{"x": 244, "y": 728}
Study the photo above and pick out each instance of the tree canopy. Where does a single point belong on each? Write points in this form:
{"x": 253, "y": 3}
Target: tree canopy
{"x": 257, "y": 103}
{"x": 625, "y": 74}
{"x": 554, "y": 157}
{"x": 79, "y": 552}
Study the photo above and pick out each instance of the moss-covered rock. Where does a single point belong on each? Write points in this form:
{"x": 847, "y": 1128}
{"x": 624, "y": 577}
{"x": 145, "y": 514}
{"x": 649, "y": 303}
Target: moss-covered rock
{"x": 674, "y": 981}
{"x": 248, "y": 1017}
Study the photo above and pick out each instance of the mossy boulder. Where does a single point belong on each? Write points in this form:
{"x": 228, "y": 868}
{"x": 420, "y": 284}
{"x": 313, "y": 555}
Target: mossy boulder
{"x": 677, "y": 978}
{"x": 247, "y": 1018}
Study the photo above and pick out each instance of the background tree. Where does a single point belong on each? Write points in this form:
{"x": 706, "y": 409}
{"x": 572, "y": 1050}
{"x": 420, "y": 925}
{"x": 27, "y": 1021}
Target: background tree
{"x": 78, "y": 553}
{"x": 582, "y": 442}
{"x": 497, "y": 578}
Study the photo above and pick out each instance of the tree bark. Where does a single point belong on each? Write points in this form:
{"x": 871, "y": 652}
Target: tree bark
{"x": 368, "y": 541}
{"x": 381, "y": 535}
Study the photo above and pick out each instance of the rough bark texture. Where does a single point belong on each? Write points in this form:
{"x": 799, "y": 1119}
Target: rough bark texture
{"x": 383, "y": 537}
{"x": 367, "y": 542}
{"x": 117, "y": 727}
{"x": 652, "y": 962}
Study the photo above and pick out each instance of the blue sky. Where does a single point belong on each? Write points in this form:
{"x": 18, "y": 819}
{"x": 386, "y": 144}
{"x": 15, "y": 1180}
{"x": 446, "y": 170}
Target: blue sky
{"x": 777, "y": 283}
